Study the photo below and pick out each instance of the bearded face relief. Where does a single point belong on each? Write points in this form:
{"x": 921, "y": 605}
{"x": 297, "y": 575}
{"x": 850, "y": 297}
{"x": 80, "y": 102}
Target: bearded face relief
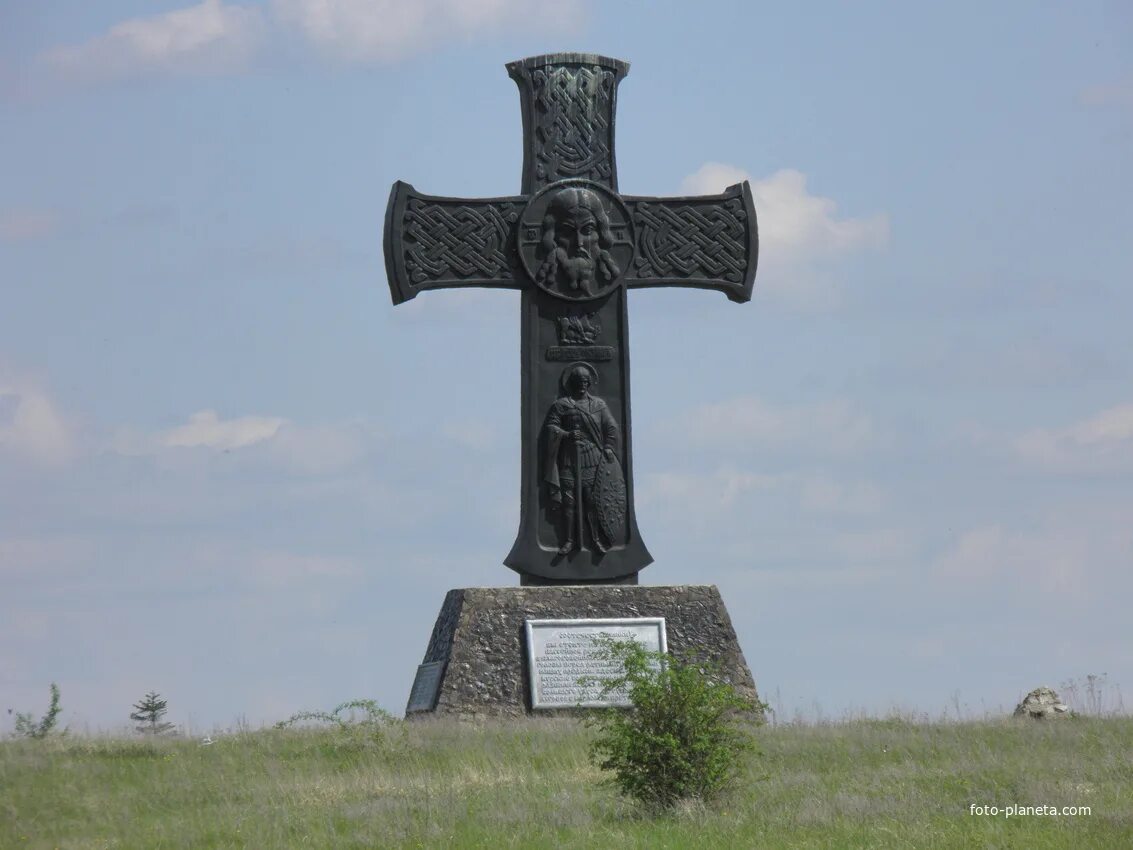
{"x": 572, "y": 224}
{"x": 578, "y": 241}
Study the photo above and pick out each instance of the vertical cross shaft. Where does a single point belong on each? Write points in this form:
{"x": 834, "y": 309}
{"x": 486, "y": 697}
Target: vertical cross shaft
{"x": 568, "y": 103}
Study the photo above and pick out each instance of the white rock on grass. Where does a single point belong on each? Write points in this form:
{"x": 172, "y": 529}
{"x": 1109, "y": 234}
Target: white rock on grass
{"x": 1042, "y": 703}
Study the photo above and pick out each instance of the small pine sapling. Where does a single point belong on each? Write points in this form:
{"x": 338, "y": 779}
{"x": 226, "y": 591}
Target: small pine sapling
{"x": 148, "y": 712}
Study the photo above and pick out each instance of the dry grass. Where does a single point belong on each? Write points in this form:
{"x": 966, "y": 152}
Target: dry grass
{"x": 866, "y": 783}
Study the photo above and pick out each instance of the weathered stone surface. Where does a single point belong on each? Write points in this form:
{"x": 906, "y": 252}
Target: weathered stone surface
{"x": 1042, "y": 703}
{"x": 479, "y": 637}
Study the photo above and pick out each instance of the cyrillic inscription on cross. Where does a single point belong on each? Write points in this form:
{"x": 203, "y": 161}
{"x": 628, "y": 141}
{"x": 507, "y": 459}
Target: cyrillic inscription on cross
{"x": 574, "y": 246}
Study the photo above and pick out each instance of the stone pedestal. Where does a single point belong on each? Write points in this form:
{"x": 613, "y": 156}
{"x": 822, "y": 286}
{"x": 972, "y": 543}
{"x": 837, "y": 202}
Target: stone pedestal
{"x": 476, "y": 661}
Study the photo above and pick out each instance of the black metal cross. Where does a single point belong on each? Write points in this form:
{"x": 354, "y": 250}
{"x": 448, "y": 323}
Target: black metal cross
{"x": 574, "y": 246}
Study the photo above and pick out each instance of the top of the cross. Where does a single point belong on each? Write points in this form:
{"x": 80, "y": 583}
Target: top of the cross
{"x": 622, "y": 68}
{"x": 568, "y": 102}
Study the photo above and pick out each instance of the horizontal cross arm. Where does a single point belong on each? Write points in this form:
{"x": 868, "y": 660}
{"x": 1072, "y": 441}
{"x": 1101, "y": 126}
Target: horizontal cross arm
{"x": 703, "y": 241}
{"x": 434, "y": 242}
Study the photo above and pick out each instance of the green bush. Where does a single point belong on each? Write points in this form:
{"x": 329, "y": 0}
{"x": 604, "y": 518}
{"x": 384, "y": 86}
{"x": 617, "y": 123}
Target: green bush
{"x": 358, "y": 722}
{"x": 26, "y": 727}
{"x": 683, "y": 736}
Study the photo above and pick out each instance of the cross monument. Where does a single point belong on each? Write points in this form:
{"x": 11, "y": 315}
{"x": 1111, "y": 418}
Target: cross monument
{"x": 574, "y": 247}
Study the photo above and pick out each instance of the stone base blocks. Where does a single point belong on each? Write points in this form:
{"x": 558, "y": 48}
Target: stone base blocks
{"x": 476, "y": 662}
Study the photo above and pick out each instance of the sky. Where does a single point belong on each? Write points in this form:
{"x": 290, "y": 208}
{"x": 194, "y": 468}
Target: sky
{"x": 232, "y": 472}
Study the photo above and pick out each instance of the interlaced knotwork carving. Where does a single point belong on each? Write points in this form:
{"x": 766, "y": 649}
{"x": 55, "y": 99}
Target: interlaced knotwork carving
{"x": 572, "y": 122}
{"x": 690, "y": 240}
{"x": 446, "y": 241}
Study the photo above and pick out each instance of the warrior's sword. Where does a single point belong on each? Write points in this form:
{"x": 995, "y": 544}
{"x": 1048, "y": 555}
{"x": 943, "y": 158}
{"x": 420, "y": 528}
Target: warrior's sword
{"x": 578, "y": 509}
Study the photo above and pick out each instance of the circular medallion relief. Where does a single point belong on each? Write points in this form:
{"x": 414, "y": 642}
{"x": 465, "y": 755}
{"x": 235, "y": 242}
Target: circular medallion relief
{"x": 576, "y": 240}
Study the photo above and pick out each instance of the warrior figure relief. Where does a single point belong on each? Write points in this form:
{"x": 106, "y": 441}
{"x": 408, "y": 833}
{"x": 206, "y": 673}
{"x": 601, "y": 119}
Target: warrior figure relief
{"x": 582, "y": 464}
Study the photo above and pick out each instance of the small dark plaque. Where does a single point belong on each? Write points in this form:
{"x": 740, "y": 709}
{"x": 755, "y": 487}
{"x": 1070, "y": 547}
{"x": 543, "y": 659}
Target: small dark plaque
{"x": 567, "y": 353}
{"x": 426, "y": 686}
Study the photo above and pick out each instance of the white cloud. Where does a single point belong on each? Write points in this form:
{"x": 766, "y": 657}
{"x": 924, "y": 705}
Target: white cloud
{"x": 470, "y": 433}
{"x": 388, "y": 30}
{"x": 968, "y": 361}
{"x": 207, "y": 38}
{"x": 206, "y": 429}
{"x": 468, "y": 304}
{"x": 261, "y": 440}
{"x": 705, "y": 497}
{"x": 876, "y": 545}
{"x": 713, "y": 178}
{"x": 23, "y": 225}
{"x": 360, "y": 29}
{"x": 793, "y": 223}
{"x": 1108, "y": 94}
{"x": 809, "y": 578}
{"x": 720, "y": 489}
{"x": 216, "y": 37}
{"x": 1055, "y": 561}
{"x": 1101, "y": 443}
{"x": 798, "y": 231}
{"x": 30, "y": 557}
{"x": 268, "y": 569}
{"x": 31, "y": 428}
{"x": 746, "y": 422}
{"x": 320, "y": 449}
{"x": 821, "y": 494}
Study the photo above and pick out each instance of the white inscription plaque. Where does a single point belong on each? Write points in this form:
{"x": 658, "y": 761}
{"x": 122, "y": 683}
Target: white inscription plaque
{"x": 560, "y": 652}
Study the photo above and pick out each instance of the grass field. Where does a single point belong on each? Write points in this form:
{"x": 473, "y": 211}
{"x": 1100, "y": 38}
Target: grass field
{"x": 866, "y": 783}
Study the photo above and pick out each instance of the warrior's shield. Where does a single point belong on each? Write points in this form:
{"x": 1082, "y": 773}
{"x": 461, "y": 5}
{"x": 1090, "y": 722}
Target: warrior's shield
{"x": 608, "y": 501}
